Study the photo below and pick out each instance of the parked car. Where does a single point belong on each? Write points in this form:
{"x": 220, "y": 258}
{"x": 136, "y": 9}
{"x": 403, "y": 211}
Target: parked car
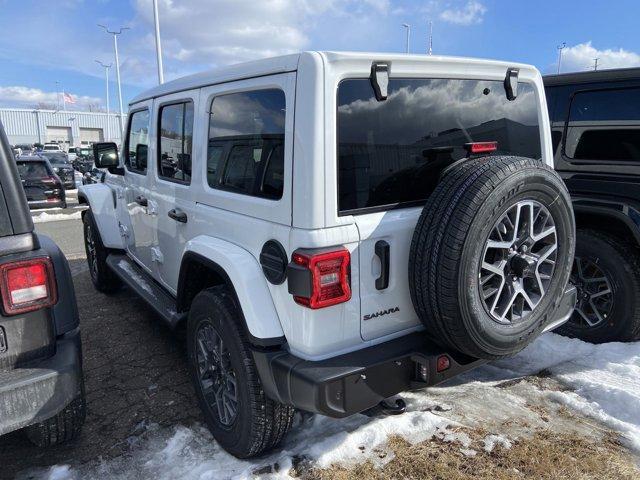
{"x": 421, "y": 232}
{"x": 84, "y": 161}
{"x": 41, "y": 382}
{"x": 25, "y": 148}
{"x": 62, "y": 167}
{"x": 72, "y": 153}
{"x": 595, "y": 121}
{"x": 42, "y": 186}
{"x": 52, "y": 147}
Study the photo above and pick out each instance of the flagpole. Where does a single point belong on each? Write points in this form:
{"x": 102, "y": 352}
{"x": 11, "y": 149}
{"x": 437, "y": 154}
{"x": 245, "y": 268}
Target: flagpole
{"x": 64, "y": 101}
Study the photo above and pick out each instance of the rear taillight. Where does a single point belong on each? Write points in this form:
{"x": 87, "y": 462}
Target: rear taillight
{"x": 320, "y": 279}
{"x": 27, "y": 285}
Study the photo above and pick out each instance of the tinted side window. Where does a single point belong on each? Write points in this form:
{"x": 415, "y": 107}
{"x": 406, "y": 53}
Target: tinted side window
{"x": 246, "y": 143}
{"x": 175, "y": 140}
{"x": 392, "y": 152}
{"x": 604, "y": 125}
{"x": 138, "y": 142}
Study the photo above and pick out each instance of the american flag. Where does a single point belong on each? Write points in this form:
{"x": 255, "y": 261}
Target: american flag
{"x": 68, "y": 98}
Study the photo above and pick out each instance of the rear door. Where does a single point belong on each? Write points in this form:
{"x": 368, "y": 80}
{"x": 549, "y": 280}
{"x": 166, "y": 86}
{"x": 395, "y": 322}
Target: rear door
{"x": 32, "y": 174}
{"x": 138, "y": 217}
{"x": 391, "y": 154}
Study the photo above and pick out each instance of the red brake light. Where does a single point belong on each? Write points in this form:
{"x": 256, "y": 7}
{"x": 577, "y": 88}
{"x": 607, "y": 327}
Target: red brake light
{"x": 442, "y": 363}
{"x": 27, "y": 285}
{"x": 481, "y": 147}
{"x": 329, "y": 278}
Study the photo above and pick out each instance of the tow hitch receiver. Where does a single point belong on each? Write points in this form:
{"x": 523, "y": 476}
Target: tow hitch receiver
{"x": 386, "y": 408}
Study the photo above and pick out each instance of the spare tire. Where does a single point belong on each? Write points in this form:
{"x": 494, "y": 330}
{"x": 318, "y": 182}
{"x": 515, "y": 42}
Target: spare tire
{"x": 492, "y": 254}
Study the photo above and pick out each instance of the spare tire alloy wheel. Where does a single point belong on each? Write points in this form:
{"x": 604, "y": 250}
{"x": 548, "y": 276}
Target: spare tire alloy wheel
{"x": 595, "y": 295}
{"x": 216, "y": 375}
{"x": 518, "y": 262}
{"x": 491, "y": 255}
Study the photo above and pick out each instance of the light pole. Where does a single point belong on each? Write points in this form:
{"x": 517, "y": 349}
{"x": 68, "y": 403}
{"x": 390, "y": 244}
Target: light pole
{"x": 106, "y": 73}
{"x": 156, "y": 20}
{"x": 595, "y": 63}
{"x": 408, "y": 27}
{"x": 560, "y": 48}
{"x": 115, "y": 49}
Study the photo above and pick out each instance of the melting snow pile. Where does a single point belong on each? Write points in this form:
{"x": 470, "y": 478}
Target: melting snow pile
{"x": 605, "y": 383}
{"x": 54, "y": 217}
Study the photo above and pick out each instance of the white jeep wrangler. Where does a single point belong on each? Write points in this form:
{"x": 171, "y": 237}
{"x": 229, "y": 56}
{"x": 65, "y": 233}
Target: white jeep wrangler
{"x": 336, "y": 228}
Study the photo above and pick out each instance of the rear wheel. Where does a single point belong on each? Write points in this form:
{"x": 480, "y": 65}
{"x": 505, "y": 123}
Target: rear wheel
{"x": 63, "y": 427}
{"x": 240, "y": 416}
{"x": 102, "y": 276}
{"x": 606, "y": 273}
{"x": 491, "y": 255}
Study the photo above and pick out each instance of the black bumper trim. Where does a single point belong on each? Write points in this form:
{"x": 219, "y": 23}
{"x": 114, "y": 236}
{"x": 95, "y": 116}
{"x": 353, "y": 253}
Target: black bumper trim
{"x": 32, "y": 395}
{"x": 350, "y": 383}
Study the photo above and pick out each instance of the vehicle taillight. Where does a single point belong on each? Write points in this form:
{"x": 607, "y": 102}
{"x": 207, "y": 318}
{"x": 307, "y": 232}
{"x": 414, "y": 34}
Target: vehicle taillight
{"x": 27, "y": 285}
{"x": 481, "y": 147}
{"x": 319, "y": 280}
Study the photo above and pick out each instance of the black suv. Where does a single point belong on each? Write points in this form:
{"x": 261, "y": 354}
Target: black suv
{"x": 62, "y": 167}
{"x": 41, "y": 383}
{"x": 595, "y": 124}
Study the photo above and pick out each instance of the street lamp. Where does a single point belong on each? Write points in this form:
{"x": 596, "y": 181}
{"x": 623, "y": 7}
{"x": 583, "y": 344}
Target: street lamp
{"x": 560, "y": 48}
{"x": 115, "y": 49}
{"x": 106, "y": 73}
{"x": 408, "y": 27}
{"x": 156, "y": 20}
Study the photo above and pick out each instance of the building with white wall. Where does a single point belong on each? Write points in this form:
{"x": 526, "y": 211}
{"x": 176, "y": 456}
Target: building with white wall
{"x": 66, "y": 127}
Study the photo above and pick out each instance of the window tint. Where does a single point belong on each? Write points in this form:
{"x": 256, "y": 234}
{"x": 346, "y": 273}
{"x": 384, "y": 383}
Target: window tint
{"x": 604, "y": 125}
{"x": 246, "y": 143}
{"x": 138, "y": 142}
{"x": 392, "y": 152}
{"x": 33, "y": 170}
{"x": 176, "y": 141}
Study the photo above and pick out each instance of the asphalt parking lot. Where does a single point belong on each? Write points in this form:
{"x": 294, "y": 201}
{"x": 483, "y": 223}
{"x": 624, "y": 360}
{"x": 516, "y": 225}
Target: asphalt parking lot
{"x": 135, "y": 372}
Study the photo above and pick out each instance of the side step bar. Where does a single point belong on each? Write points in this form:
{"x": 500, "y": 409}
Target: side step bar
{"x": 145, "y": 286}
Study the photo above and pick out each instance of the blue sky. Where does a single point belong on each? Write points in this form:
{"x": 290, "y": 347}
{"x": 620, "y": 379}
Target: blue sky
{"x": 48, "y": 41}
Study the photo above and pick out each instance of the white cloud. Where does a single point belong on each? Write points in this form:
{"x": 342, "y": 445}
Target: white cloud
{"x": 470, "y": 13}
{"x": 26, "y": 97}
{"x": 208, "y": 33}
{"x": 581, "y": 57}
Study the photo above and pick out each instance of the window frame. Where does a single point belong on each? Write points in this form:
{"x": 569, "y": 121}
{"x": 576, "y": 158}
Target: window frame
{"x": 182, "y": 101}
{"x": 411, "y": 203}
{"x": 126, "y": 142}
{"x": 565, "y": 129}
{"x": 243, "y": 140}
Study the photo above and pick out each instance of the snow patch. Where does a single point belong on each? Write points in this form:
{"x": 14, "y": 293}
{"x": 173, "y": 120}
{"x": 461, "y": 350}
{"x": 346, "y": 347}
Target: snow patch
{"x": 491, "y": 441}
{"x": 54, "y": 217}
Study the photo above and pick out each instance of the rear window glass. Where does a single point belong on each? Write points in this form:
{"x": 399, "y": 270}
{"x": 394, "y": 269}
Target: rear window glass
{"x": 604, "y": 125}
{"x": 391, "y": 152}
{"x": 246, "y": 143}
{"x": 32, "y": 170}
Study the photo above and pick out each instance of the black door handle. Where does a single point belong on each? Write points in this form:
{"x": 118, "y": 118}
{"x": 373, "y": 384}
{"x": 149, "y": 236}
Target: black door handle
{"x": 142, "y": 201}
{"x": 382, "y": 252}
{"x": 177, "y": 215}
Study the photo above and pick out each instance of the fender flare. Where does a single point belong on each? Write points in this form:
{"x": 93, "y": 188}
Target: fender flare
{"x": 242, "y": 273}
{"x": 101, "y": 199}
{"x": 624, "y": 213}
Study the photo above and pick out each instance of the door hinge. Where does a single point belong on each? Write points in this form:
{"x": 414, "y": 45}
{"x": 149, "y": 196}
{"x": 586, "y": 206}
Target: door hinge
{"x": 124, "y": 231}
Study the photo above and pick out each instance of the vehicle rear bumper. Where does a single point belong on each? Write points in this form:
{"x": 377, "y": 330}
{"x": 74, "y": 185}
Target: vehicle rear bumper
{"x": 350, "y": 383}
{"x": 34, "y": 394}
{"x": 36, "y": 204}
{"x": 354, "y": 382}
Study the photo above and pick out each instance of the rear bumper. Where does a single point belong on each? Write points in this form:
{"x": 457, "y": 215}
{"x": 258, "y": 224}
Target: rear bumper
{"x": 32, "y": 395}
{"x": 350, "y": 383}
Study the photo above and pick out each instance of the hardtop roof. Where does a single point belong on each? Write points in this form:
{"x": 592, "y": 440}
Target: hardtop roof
{"x": 289, "y": 63}
{"x": 614, "y": 74}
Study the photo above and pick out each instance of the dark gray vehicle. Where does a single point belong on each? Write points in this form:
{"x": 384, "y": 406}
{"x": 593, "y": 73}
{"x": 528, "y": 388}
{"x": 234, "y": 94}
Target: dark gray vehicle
{"x": 41, "y": 382}
{"x": 62, "y": 167}
{"x": 595, "y": 127}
